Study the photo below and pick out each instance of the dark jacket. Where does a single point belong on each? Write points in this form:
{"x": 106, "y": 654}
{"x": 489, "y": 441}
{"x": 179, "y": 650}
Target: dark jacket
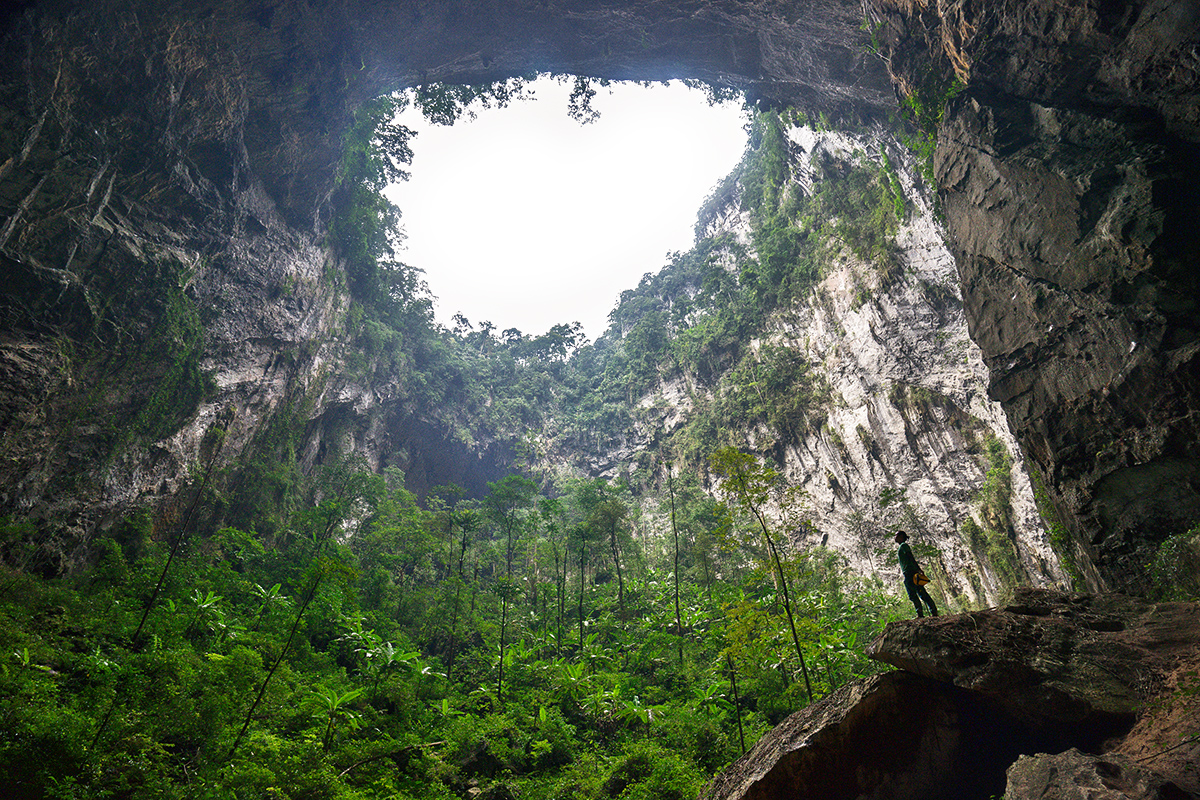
{"x": 908, "y": 563}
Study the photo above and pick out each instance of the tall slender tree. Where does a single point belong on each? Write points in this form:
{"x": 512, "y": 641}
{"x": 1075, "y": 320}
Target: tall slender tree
{"x": 505, "y": 503}
{"x": 609, "y": 519}
{"x": 467, "y": 521}
{"x": 343, "y": 488}
{"x": 749, "y": 484}
{"x": 675, "y": 538}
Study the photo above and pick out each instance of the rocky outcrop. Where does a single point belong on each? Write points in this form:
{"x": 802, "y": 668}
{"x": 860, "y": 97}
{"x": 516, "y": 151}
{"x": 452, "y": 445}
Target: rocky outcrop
{"x": 895, "y": 735}
{"x": 1062, "y": 675}
{"x": 1084, "y": 660}
{"x": 1079, "y": 776}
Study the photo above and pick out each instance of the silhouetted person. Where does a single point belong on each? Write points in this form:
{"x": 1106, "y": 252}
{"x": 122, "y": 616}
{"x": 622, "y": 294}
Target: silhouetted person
{"x": 910, "y": 567}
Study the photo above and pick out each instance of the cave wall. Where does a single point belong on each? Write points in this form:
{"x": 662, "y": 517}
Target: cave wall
{"x": 166, "y": 169}
{"x": 166, "y": 173}
{"x": 1067, "y": 170}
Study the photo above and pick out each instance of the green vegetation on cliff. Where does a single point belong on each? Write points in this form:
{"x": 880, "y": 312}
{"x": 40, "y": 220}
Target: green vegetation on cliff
{"x": 696, "y": 318}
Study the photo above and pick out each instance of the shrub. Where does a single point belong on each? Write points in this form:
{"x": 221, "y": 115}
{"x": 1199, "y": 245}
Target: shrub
{"x": 1175, "y": 570}
{"x": 649, "y": 772}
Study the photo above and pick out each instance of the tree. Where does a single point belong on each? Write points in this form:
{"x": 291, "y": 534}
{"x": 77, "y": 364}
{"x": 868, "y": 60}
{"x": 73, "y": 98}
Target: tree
{"x": 467, "y": 520}
{"x": 334, "y": 705}
{"x": 444, "y": 501}
{"x": 675, "y": 571}
{"x": 609, "y": 518}
{"x": 396, "y": 545}
{"x": 749, "y": 484}
{"x": 505, "y": 502}
{"x": 343, "y": 489}
{"x": 552, "y": 511}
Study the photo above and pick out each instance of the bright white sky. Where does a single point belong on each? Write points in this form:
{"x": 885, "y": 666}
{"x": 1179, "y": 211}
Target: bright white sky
{"x": 526, "y": 218}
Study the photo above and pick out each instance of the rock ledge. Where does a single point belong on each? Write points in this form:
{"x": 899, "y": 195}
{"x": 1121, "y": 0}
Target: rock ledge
{"x": 1061, "y": 675}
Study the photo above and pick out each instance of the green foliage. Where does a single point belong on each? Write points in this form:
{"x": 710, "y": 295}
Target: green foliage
{"x": 579, "y": 103}
{"x": 360, "y": 704}
{"x": 750, "y": 485}
{"x": 924, "y": 108}
{"x": 714, "y": 94}
{"x": 772, "y": 386}
{"x": 261, "y": 490}
{"x": 993, "y": 542}
{"x": 650, "y": 772}
{"x": 995, "y": 495}
{"x": 1175, "y": 569}
{"x": 1060, "y": 537}
{"x": 374, "y": 154}
{"x": 445, "y": 104}
{"x": 178, "y": 340}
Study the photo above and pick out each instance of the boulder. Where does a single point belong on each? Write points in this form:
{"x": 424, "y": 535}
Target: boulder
{"x": 895, "y": 735}
{"x": 1079, "y": 776}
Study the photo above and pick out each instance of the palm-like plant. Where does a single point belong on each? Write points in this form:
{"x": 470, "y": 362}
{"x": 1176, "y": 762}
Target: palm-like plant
{"x": 385, "y": 657}
{"x": 711, "y": 700}
{"x": 634, "y": 712}
{"x": 335, "y": 706}
{"x": 267, "y": 599}
{"x": 208, "y": 611}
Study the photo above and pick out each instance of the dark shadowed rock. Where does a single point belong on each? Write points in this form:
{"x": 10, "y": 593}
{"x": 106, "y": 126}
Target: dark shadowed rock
{"x": 1049, "y": 658}
{"x": 895, "y": 735}
{"x": 1078, "y": 776}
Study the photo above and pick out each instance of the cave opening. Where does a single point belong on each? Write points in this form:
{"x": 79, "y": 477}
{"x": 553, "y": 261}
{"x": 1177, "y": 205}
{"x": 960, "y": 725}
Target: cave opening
{"x": 528, "y": 215}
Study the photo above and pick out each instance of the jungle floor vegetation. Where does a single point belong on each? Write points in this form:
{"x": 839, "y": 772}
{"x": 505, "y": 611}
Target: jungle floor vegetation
{"x": 541, "y": 644}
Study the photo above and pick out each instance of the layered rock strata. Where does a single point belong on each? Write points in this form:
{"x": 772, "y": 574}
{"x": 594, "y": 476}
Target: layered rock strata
{"x": 1065, "y": 166}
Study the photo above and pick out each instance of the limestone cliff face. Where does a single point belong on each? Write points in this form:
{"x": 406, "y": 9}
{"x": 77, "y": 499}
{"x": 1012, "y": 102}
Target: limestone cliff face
{"x": 910, "y": 412}
{"x": 153, "y": 286}
{"x": 166, "y": 171}
{"x": 906, "y": 408}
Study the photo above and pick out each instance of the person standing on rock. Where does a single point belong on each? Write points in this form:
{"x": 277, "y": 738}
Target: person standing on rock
{"x": 910, "y": 568}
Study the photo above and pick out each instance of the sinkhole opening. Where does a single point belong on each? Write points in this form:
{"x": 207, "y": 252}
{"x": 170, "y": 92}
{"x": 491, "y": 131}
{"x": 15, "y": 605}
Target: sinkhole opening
{"x": 522, "y": 217}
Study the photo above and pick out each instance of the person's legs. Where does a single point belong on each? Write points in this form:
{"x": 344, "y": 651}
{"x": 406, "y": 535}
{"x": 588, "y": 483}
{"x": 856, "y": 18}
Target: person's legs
{"x": 912, "y": 590}
{"x": 928, "y": 600}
